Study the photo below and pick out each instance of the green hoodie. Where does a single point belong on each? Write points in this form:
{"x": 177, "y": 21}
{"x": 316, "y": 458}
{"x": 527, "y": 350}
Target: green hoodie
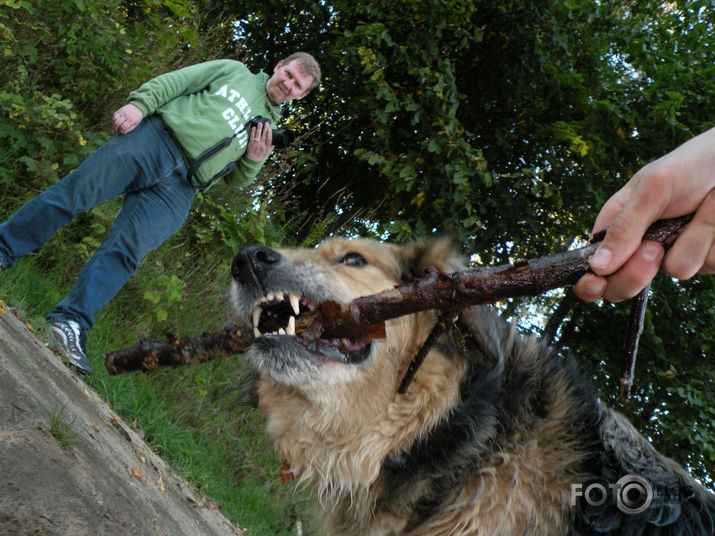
{"x": 205, "y": 103}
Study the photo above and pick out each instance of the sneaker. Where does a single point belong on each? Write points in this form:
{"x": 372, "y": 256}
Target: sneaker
{"x": 72, "y": 341}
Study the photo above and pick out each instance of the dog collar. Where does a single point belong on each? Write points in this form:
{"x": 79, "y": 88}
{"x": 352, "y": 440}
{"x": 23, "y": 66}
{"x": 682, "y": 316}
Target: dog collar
{"x": 288, "y": 474}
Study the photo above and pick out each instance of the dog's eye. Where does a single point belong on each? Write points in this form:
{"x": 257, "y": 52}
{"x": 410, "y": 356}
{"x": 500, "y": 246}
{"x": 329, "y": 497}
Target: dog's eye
{"x": 354, "y": 259}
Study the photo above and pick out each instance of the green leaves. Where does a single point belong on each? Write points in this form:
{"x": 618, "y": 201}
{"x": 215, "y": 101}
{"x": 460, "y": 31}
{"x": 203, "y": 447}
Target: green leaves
{"x": 569, "y": 134}
{"x": 508, "y": 125}
{"x": 168, "y": 289}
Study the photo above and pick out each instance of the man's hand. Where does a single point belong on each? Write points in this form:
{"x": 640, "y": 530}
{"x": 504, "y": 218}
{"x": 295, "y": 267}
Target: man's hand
{"x": 127, "y": 118}
{"x": 679, "y": 183}
{"x": 260, "y": 142}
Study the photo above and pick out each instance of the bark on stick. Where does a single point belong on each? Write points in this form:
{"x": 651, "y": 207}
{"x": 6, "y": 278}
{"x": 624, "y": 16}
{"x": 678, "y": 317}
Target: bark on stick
{"x": 363, "y": 317}
{"x": 149, "y": 355}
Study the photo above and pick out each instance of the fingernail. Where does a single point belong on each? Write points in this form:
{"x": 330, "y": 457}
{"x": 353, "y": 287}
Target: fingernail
{"x": 601, "y": 258}
{"x": 594, "y": 289}
{"x": 650, "y": 251}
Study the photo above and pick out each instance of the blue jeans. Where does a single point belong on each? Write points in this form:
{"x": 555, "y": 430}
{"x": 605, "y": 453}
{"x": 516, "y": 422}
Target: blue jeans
{"x": 148, "y": 168}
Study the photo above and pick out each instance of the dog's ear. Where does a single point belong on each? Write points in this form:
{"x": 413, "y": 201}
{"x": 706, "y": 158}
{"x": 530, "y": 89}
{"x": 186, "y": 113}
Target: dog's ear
{"x": 437, "y": 253}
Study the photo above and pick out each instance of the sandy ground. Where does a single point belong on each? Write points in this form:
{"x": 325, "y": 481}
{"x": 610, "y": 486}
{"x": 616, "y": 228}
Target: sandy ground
{"x": 106, "y": 481}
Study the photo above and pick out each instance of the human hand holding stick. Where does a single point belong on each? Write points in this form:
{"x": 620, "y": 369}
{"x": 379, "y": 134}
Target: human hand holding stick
{"x": 678, "y": 183}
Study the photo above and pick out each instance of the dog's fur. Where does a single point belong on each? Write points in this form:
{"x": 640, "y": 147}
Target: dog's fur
{"x": 490, "y": 438}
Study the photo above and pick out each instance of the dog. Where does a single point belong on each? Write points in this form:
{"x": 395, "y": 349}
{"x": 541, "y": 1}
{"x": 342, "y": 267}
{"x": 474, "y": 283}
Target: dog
{"x": 493, "y": 436}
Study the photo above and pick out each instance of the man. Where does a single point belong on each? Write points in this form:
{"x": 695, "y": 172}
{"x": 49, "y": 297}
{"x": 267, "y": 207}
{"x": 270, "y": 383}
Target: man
{"x": 181, "y": 132}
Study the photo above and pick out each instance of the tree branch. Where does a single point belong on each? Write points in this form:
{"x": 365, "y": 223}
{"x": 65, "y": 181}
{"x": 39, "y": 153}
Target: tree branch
{"x": 149, "y": 355}
{"x": 477, "y": 286}
{"x": 363, "y": 318}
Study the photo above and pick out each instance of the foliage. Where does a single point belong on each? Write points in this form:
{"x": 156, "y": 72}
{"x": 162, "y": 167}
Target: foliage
{"x": 456, "y": 116}
{"x": 66, "y": 66}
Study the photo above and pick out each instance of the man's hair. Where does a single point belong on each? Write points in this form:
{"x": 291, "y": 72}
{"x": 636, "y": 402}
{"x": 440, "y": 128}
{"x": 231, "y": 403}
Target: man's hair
{"x": 308, "y": 65}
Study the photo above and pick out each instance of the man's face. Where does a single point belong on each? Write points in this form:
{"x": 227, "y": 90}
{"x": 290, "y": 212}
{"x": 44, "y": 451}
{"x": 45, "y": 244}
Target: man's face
{"x": 288, "y": 82}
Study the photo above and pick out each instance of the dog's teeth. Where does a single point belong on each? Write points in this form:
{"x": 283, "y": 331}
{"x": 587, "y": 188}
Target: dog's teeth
{"x": 290, "y": 330}
{"x": 270, "y": 296}
{"x": 257, "y": 316}
{"x": 281, "y": 331}
{"x": 257, "y": 333}
{"x": 280, "y": 296}
{"x": 295, "y": 303}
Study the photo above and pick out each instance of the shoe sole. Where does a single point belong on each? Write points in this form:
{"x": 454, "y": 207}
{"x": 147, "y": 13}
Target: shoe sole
{"x": 61, "y": 340}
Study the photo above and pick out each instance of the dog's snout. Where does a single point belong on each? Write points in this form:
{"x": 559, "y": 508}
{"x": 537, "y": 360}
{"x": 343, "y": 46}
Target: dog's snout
{"x": 252, "y": 264}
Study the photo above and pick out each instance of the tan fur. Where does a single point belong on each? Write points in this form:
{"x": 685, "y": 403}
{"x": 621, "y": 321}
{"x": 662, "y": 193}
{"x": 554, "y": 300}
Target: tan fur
{"x": 338, "y": 437}
{"x": 351, "y": 429}
{"x": 336, "y": 423}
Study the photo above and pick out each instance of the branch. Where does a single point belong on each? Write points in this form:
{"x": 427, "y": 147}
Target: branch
{"x": 639, "y": 304}
{"x": 172, "y": 352}
{"x": 477, "y": 286}
{"x": 363, "y": 318}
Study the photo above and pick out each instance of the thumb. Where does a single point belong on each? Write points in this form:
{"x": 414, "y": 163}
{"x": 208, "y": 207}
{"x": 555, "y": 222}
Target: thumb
{"x": 621, "y": 241}
{"x": 626, "y": 229}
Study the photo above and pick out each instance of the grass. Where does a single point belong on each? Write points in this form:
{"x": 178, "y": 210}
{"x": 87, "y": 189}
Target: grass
{"x": 195, "y": 417}
{"x": 63, "y": 430}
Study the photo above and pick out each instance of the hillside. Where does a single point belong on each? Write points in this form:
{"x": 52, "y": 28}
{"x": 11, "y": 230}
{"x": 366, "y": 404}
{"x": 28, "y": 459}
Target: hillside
{"x": 70, "y": 466}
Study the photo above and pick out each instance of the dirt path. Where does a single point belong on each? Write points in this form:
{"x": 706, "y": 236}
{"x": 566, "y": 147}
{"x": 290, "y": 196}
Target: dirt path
{"x": 104, "y": 481}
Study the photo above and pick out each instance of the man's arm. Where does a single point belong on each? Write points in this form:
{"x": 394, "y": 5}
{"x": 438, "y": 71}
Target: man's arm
{"x": 153, "y": 94}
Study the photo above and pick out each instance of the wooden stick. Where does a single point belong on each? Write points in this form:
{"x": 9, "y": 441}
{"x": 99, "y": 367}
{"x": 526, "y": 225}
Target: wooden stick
{"x": 363, "y": 318}
{"x": 149, "y": 355}
{"x": 639, "y": 304}
{"x": 435, "y": 334}
{"x": 477, "y": 286}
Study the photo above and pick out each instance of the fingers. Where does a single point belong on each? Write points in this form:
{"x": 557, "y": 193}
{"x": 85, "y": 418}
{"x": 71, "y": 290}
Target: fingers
{"x": 267, "y": 137}
{"x": 694, "y": 250}
{"x": 126, "y": 118}
{"x": 633, "y": 277}
{"x": 121, "y": 123}
{"x": 635, "y": 274}
{"x": 646, "y": 201}
{"x": 263, "y": 135}
{"x": 590, "y": 287}
{"x": 260, "y": 142}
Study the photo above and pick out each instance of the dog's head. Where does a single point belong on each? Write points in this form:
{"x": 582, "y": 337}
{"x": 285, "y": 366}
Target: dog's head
{"x": 272, "y": 288}
{"x": 338, "y": 395}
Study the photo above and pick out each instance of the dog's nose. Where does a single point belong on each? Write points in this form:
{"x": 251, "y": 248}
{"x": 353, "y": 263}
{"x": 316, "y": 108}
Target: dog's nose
{"x": 252, "y": 264}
